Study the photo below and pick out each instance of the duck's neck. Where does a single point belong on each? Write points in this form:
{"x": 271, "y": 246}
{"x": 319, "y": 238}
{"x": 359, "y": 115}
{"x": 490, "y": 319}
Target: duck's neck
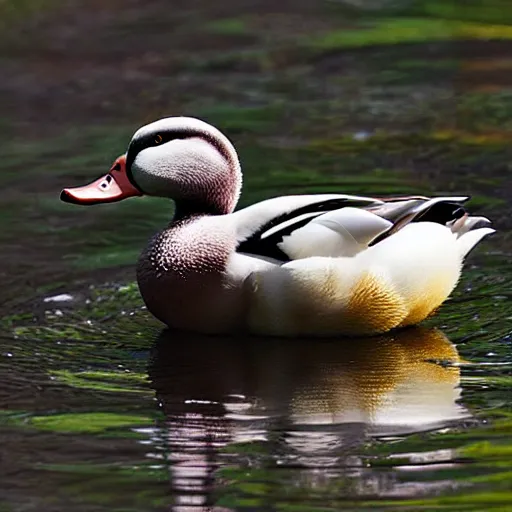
{"x": 188, "y": 209}
{"x": 195, "y": 208}
{"x": 217, "y": 195}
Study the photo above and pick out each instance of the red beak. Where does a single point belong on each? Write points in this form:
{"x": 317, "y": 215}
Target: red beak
{"x": 114, "y": 186}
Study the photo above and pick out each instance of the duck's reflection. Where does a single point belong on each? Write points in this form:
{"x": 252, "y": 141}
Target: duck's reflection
{"x": 303, "y": 403}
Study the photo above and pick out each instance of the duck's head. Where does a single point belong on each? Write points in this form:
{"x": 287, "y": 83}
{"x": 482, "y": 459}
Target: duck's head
{"x": 182, "y": 158}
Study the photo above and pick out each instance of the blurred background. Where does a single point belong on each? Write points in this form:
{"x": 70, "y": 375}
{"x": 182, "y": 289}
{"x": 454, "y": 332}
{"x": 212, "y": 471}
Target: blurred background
{"x": 370, "y": 97}
{"x": 356, "y": 96}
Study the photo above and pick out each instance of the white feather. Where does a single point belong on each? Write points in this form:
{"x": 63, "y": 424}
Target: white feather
{"x": 343, "y": 232}
{"x": 467, "y": 241}
{"x": 412, "y": 257}
{"x": 362, "y": 225}
{"x": 317, "y": 240}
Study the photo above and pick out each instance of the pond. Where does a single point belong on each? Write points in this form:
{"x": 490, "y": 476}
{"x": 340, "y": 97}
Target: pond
{"x": 101, "y": 409}
{"x": 104, "y": 410}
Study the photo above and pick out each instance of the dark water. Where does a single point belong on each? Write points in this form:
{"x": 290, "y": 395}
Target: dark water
{"x": 101, "y": 410}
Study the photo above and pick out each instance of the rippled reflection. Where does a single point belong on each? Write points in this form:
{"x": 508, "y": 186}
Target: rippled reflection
{"x": 304, "y": 406}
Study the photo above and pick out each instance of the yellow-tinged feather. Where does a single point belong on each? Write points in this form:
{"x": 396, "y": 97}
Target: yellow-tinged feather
{"x": 422, "y": 305}
{"x": 374, "y": 307}
{"x": 306, "y": 304}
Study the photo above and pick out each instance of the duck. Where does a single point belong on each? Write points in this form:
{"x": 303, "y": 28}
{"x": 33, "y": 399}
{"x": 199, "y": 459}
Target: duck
{"x": 295, "y": 265}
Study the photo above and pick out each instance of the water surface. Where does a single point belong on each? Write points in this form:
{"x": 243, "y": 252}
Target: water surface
{"x": 104, "y": 410}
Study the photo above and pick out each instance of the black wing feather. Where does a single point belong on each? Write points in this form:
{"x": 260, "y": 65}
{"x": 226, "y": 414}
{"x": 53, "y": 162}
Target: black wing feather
{"x": 440, "y": 213}
{"x": 267, "y": 246}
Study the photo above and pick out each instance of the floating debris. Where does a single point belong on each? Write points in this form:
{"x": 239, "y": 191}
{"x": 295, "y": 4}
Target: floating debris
{"x": 63, "y": 297}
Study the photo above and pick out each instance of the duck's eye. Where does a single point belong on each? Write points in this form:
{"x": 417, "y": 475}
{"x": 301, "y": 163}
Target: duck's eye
{"x": 158, "y": 139}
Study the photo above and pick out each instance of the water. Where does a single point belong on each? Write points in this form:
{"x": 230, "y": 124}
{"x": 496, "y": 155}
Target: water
{"x": 103, "y": 410}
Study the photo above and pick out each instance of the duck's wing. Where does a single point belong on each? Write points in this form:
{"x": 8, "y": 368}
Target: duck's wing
{"x": 447, "y": 211}
{"x": 261, "y": 228}
{"x": 348, "y": 231}
{"x": 295, "y": 227}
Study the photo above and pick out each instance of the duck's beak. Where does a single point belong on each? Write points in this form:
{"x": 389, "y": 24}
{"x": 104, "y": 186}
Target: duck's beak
{"x": 114, "y": 186}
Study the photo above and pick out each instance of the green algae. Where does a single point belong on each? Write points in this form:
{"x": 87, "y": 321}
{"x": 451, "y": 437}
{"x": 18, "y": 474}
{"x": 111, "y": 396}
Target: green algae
{"x": 409, "y": 30}
{"x": 485, "y": 111}
{"x": 246, "y": 121}
{"x": 488, "y": 451}
{"x": 14, "y": 11}
{"x": 492, "y": 11}
{"x": 227, "y": 26}
{"x": 114, "y": 382}
{"x": 122, "y": 488}
{"x": 87, "y": 423}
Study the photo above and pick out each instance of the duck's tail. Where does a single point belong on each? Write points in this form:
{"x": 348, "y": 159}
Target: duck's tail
{"x": 469, "y": 239}
{"x": 448, "y": 211}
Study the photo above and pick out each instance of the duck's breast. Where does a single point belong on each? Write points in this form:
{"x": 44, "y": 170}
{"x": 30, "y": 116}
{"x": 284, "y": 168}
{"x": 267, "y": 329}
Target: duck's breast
{"x": 183, "y": 276}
